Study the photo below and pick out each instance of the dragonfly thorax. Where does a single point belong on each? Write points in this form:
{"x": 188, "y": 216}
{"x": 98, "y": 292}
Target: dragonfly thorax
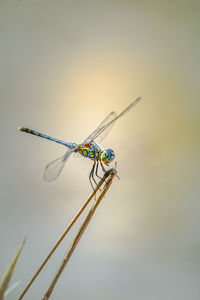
{"x": 107, "y": 156}
{"x": 91, "y": 150}
{"x": 94, "y": 152}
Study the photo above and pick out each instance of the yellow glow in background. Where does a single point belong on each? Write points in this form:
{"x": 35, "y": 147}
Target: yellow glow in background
{"x": 64, "y": 66}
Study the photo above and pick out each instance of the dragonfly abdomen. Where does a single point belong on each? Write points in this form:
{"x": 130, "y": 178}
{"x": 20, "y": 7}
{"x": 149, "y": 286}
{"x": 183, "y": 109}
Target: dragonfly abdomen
{"x": 31, "y": 131}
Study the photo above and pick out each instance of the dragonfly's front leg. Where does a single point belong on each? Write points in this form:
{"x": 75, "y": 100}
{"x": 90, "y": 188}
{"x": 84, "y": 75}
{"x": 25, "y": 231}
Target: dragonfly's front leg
{"x": 102, "y": 166}
{"x": 104, "y": 170}
{"x": 96, "y": 172}
{"x": 92, "y": 171}
{"x": 92, "y": 176}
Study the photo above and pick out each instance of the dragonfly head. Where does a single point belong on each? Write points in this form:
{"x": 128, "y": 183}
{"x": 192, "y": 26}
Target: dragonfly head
{"x": 107, "y": 156}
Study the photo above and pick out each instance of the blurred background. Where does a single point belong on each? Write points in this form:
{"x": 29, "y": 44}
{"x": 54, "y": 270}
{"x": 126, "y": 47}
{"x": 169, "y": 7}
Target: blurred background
{"x": 64, "y": 65}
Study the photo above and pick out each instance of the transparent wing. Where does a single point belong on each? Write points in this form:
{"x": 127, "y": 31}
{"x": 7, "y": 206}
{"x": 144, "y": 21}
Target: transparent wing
{"x": 105, "y": 125}
{"x": 109, "y": 118}
{"x": 54, "y": 168}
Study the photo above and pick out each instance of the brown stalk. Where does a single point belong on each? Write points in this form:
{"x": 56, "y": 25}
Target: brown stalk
{"x": 110, "y": 174}
{"x": 8, "y": 273}
{"x": 64, "y": 234}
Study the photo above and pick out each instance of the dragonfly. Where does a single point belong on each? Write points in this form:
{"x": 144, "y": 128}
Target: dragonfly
{"x": 89, "y": 148}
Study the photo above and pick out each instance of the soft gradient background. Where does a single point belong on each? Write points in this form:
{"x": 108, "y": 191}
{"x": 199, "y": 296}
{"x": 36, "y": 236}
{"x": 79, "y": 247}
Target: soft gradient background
{"x": 64, "y": 65}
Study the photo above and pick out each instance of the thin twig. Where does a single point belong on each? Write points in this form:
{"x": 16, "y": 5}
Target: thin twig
{"x": 62, "y": 236}
{"x": 8, "y": 273}
{"x": 110, "y": 174}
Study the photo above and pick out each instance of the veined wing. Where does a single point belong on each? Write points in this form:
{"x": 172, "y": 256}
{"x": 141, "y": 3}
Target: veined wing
{"x": 104, "y": 126}
{"x": 54, "y": 168}
{"x": 108, "y": 119}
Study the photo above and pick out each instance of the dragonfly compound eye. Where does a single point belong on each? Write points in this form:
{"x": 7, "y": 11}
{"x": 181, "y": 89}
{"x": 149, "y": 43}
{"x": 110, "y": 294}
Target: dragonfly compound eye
{"x": 107, "y": 156}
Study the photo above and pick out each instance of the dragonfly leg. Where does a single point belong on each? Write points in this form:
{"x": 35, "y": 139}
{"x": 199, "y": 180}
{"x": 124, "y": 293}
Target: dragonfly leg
{"x": 104, "y": 170}
{"x": 102, "y": 166}
{"x": 97, "y": 165}
{"x": 91, "y": 176}
{"x": 96, "y": 172}
{"x": 93, "y": 172}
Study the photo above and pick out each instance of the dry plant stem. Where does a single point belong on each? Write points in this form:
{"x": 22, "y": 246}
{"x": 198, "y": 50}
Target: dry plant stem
{"x": 8, "y": 274}
{"x": 111, "y": 173}
{"x": 62, "y": 237}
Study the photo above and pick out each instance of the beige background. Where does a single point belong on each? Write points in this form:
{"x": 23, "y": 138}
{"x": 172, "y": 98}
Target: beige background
{"x": 64, "y": 65}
